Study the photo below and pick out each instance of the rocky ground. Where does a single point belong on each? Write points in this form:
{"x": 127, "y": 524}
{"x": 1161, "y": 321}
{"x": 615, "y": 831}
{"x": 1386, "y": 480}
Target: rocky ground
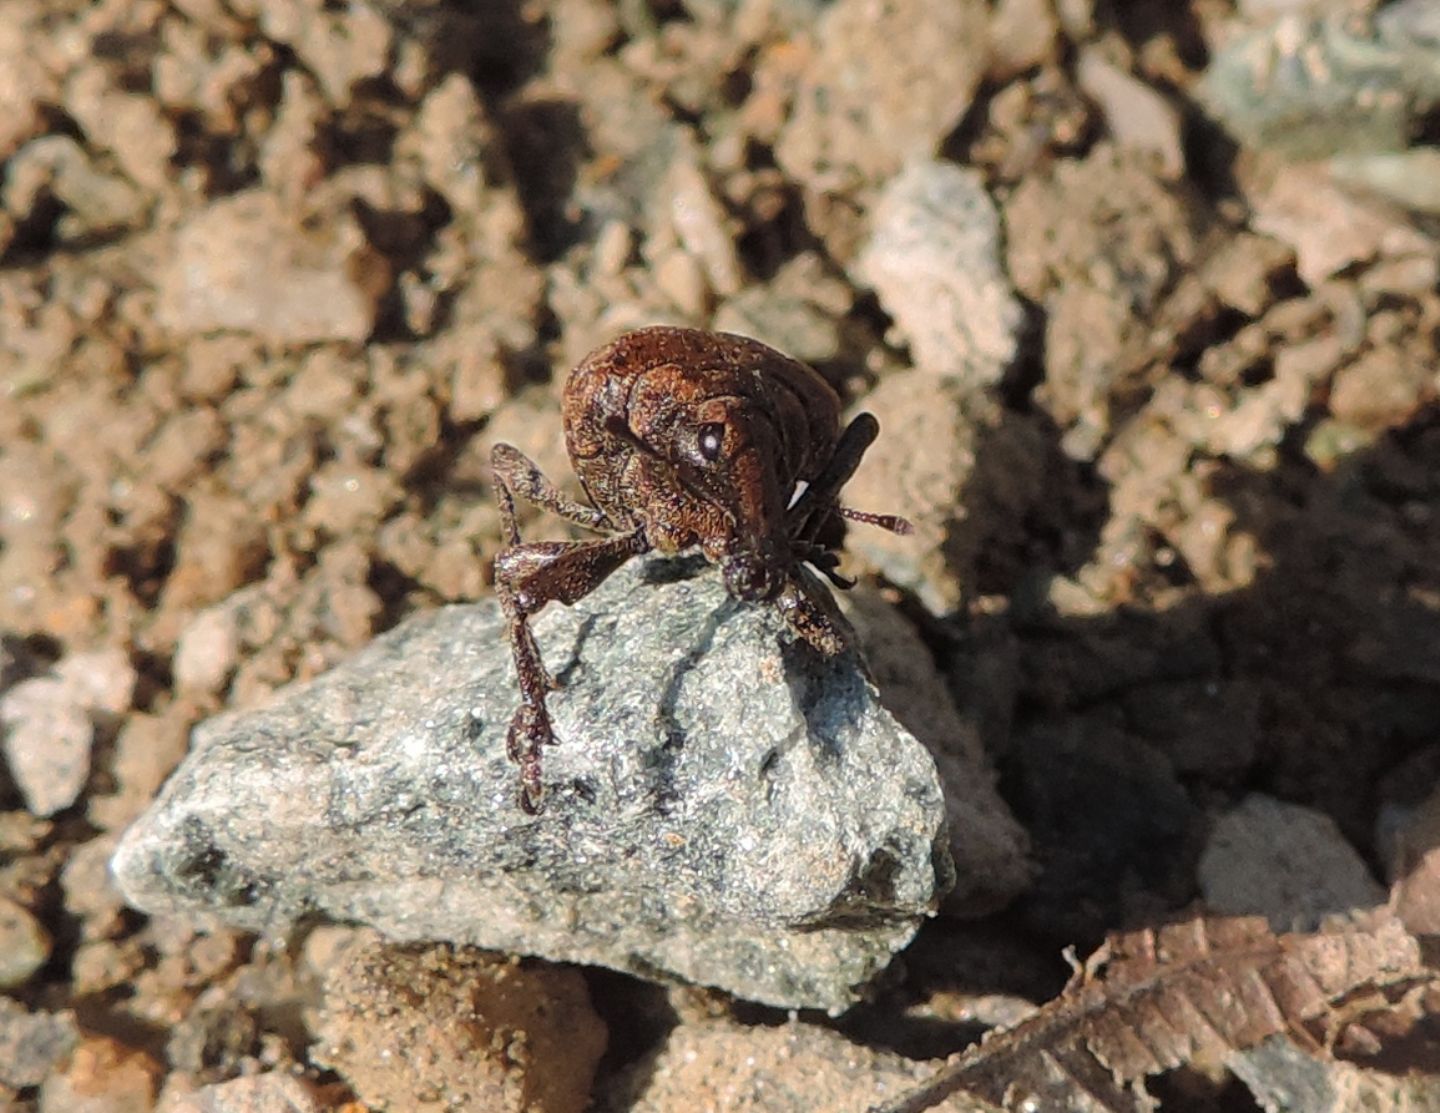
{"x": 1144, "y": 296}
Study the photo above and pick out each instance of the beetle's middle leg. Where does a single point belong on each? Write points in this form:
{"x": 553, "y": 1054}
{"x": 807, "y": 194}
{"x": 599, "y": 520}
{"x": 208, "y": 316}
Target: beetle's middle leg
{"x": 810, "y": 611}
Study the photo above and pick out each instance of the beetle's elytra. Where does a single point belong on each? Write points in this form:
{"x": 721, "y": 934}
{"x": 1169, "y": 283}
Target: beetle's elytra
{"x": 682, "y": 439}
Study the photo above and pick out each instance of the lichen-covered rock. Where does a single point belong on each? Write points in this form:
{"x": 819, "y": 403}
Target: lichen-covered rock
{"x": 723, "y": 807}
{"x": 934, "y": 260}
{"x": 1307, "y": 86}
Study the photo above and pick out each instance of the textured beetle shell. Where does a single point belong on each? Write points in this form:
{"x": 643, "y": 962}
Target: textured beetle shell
{"x": 662, "y": 380}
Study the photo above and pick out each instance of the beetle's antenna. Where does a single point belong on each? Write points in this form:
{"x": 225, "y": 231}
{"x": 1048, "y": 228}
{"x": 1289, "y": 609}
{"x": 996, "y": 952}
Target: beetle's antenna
{"x": 893, "y": 522}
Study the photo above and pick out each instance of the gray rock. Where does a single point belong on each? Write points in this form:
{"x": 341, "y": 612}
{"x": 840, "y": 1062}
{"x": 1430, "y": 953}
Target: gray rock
{"x": 1282, "y": 1075}
{"x": 723, "y": 807}
{"x": 1288, "y": 863}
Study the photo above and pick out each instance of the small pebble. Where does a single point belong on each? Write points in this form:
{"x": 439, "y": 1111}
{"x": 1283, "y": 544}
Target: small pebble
{"x": 32, "y": 1043}
{"x": 102, "y": 1075}
{"x": 24, "y": 944}
{"x": 1291, "y": 864}
{"x": 49, "y": 730}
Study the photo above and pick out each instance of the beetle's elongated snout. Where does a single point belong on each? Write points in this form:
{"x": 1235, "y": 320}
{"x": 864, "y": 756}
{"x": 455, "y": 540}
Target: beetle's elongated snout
{"x": 754, "y": 574}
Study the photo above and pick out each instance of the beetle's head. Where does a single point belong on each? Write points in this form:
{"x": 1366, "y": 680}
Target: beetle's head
{"x": 730, "y": 457}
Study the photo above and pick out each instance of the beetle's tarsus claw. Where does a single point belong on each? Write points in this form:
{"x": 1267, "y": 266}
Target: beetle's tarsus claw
{"x": 531, "y": 796}
{"x": 532, "y": 791}
{"x": 530, "y": 732}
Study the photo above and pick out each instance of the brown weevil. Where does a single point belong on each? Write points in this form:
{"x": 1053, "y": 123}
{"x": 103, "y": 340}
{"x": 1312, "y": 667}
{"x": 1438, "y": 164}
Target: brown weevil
{"x": 682, "y": 439}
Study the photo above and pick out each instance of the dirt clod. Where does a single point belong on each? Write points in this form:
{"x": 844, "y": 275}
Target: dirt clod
{"x": 438, "y": 1028}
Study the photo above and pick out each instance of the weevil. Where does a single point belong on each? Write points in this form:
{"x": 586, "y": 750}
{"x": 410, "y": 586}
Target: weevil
{"x": 682, "y": 439}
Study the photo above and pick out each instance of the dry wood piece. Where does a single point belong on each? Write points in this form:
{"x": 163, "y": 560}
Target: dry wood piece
{"x": 1148, "y": 1001}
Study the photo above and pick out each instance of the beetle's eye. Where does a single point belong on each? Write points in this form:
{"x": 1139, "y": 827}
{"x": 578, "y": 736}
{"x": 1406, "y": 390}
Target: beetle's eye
{"x": 712, "y": 439}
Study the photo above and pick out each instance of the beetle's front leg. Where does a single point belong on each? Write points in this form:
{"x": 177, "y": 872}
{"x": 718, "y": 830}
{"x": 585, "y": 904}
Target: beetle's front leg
{"x": 527, "y": 576}
{"x": 811, "y": 612}
{"x": 516, "y": 475}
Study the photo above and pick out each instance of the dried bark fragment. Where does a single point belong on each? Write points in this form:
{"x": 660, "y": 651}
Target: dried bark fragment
{"x": 1148, "y": 1001}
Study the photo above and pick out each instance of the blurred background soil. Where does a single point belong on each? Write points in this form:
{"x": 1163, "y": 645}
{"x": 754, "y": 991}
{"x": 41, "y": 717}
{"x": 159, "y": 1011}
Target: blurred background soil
{"x": 275, "y": 274}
